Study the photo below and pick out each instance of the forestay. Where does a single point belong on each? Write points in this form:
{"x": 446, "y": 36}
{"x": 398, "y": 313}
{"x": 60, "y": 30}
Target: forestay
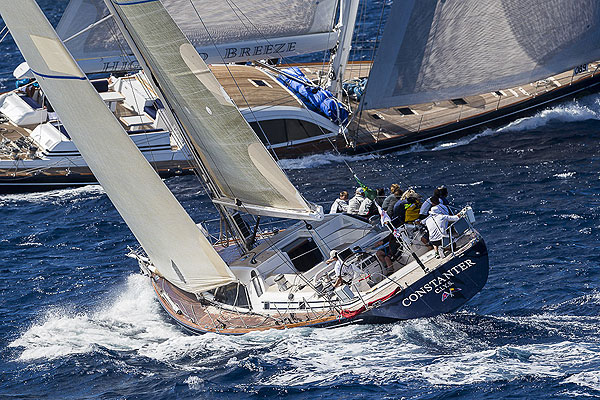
{"x": 173, "y": 242}
{"x": 237, "y": 31}
{"x": 437, "y": 50}
{"x": 246, "y": 175}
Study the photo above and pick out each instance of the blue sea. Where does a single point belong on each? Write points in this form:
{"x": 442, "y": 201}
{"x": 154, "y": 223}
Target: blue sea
{"x": 77, "y": 320}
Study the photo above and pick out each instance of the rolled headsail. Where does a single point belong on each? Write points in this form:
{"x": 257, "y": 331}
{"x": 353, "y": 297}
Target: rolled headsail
{"x": 175, "y": 245}
{"x": 236, "y": 31}
{"x": 246, "y": 175}
{"x": 435, "y": 50}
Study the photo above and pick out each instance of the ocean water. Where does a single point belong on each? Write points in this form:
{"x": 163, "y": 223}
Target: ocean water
{"x": 77, "y": 320}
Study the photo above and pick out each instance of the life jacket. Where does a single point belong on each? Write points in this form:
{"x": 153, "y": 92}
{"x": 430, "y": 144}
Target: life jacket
{"x": 411, "y": 212}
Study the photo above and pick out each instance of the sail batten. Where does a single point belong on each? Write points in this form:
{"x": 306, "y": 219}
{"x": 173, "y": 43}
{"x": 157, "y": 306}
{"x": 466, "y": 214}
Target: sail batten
{"x": 240, "y": 31}
{"x": 434, "y": 50}
{"x": 237, "y": 162}
{"x": 174, "y": 244}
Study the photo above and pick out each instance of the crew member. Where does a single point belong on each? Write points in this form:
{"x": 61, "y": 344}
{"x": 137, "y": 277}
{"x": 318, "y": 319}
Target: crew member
{"x": 394, "y": 196}
{"x": 388, "y": 250}
{"x": 340, "y": 204}
{"x": 355, "y": 202}
{"x": 441, "y": 193}
{"x": 339, "y": 268}
{"x": 437, "y": 224}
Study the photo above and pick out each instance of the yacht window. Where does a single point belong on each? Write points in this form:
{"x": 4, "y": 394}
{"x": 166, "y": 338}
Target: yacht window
{"x": 298, "y": 129}
{"x": 304, "y": 253}
{"x": 285, "y": 130}
{"x": 259, "y": 82}
{"x": 233, "y": 294}
{"x": 274, "y": 129}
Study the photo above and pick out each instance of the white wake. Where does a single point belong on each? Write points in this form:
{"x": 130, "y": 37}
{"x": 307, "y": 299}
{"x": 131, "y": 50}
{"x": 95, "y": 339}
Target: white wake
{"x": 436, "y": 351}
{"x": 53, "y": 196}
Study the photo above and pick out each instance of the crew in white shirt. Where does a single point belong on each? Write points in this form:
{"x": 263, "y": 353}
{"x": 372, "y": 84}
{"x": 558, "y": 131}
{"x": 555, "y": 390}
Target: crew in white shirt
{"x": 437, "y": 224}
{"x": 340, "y": 204}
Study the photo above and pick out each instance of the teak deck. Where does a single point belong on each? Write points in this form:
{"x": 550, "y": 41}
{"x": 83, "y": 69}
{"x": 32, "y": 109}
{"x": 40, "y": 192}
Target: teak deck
{"x": 385, "y": 129}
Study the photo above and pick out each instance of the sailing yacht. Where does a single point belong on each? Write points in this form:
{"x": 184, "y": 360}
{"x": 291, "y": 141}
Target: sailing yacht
{"x": 36, "y": 152}
{"x": 282, "y": 282}
{"x": 441, "y": 69}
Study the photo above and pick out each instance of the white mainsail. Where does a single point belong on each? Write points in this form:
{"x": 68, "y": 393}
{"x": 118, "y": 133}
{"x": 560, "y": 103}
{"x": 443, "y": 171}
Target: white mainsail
{"x": 246, "y": 175}
{"x": 438, "y": 49}
{"x": 220, "y": 30}
{"x": 175, "y": 245}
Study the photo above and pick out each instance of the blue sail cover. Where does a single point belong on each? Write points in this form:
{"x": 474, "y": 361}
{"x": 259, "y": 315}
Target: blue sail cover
{"x": 320, "y": 100}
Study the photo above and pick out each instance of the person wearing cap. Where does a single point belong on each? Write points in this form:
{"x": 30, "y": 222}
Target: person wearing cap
{"x": 356, "y": 201}
{"x": 338, "y": 267}
{"x": 368, "y": 207}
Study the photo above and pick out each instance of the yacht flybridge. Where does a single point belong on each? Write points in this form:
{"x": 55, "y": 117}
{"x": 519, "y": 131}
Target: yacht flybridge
{"x": 282, "y": 281}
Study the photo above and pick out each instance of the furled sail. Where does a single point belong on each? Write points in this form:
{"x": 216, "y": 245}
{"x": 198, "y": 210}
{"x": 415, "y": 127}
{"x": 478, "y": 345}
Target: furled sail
{"x": 173, "y": 242}
{"x": 237, "y": 31}
{"x": 444, "y": 49}
{"x": 246, "y": 175}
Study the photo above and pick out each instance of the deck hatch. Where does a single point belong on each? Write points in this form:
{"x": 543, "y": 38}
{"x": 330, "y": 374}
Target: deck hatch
{"x": 405, "y": 111}
{"x": 459, "y": 101}
{"x": 259, "y": 82}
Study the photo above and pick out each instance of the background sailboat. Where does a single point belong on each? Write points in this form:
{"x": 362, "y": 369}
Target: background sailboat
{"x": 459, "y": 67}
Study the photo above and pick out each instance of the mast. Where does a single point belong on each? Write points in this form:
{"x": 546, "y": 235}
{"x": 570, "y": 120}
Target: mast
{"x": 239, "y": 171}
{"x": 348, "y": 11}
{"x": 212, "y": 188}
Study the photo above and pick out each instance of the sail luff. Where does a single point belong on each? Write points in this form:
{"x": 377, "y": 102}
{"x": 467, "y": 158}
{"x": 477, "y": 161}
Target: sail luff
{"x": 434, "y": 50}
{"x": 174, "y": 244}
{"x": 236, "y": 160}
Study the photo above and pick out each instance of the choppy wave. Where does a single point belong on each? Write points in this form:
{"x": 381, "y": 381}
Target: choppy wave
{"x": 319, "y": 160}
{"x": 447, "y": 351}
{"x": 130, "y": 322}
{"x": 585, "y": 109}
{"x": 582, "y": 110}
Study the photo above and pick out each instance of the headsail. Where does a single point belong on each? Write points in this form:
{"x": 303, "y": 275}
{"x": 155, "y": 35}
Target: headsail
{"x": 437, "y": 50}
{"x": 173, "y": 242}
{"x": 239, "y": 31}
{"x": 246, "y": 175}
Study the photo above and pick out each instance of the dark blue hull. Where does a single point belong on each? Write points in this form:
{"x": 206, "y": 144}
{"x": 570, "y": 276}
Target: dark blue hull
{"x": 442, "y": 291}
